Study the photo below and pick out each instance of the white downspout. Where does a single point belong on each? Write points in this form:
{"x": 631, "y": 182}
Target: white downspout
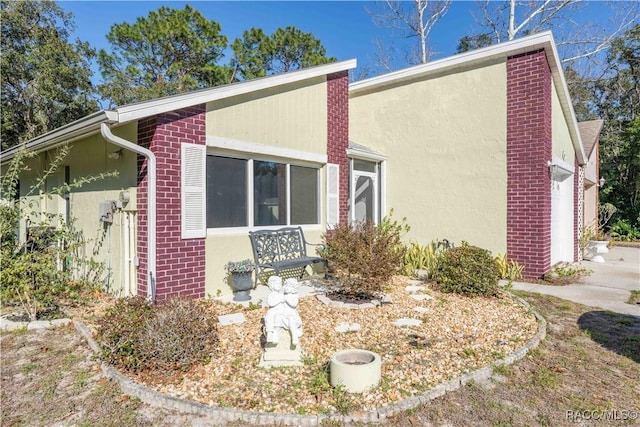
{"x": 151, "y": 203}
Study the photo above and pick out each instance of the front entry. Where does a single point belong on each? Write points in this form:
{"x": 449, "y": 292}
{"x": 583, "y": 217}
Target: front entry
{"x": 365, "y": 191}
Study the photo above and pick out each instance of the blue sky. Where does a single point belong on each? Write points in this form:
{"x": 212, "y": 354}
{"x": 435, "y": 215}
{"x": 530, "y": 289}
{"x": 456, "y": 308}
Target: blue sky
{"x": 345, "y": 28}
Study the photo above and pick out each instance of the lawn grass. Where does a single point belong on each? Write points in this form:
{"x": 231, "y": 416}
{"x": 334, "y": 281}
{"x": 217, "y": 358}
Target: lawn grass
{"x": 589, "y": 361}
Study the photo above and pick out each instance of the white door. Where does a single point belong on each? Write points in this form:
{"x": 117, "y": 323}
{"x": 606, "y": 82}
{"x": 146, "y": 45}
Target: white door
{"x": 562, "y": 227}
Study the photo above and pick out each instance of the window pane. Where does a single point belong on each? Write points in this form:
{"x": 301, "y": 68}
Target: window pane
{"x": 269, "y": 193}
{"x": 226, "y": 192}
{"x": 363, "y": 165}
{"x": 304, "y": 195}
{"x": 364, "y": 198}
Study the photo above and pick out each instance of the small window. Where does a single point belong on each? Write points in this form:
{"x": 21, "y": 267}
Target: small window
{"x": 364, "y": 166}
{"x": 226, "y": 192}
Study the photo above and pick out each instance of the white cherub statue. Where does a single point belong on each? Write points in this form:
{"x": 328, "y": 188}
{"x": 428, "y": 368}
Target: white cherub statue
{"x": 282, "y": 302}
{"x": 274, "y": 302}
{"x": 290, "y": 317}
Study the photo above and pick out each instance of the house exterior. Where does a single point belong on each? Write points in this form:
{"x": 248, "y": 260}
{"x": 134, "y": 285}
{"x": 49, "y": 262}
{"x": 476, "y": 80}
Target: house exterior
{"x": 482, "y": 147}
{"x": 590, "y": 133}
{"x": 196, "y": 172}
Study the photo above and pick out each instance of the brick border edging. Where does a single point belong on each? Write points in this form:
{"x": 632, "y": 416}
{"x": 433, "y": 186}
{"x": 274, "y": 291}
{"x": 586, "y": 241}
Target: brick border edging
{"x": 216, "y": 414}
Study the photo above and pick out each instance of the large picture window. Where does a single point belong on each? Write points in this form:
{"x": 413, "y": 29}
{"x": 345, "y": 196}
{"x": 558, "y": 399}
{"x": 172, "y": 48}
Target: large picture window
{"x": 258, "y": 193}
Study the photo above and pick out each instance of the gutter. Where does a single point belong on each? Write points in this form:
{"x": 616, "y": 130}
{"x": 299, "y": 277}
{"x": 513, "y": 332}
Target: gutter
{"x": 151, "y": 203}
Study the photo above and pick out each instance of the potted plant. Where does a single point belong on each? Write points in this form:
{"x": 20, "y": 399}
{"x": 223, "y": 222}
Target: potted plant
{"x": 240, "y": 278}
{"x": 597, "y": 240}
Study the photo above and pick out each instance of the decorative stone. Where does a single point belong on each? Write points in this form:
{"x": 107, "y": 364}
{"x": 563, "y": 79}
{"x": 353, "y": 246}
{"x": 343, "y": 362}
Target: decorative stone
{"x": 407, "y": 322}
{"x": 421, "y": 309}
{"x": 421, "y": 297}
{"x": 386, "y": 299}
{"x": 230, "y": 319}
{"x": 346, "y": 327}
{"x": 415, "y": 282}
{"x": 415, "y": 288}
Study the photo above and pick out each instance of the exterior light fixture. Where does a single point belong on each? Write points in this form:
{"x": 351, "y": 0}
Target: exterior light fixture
{"x": 602, "y": 181}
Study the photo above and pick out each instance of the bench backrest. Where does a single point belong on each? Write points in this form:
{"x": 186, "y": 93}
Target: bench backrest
{"x": 278, "y": 245}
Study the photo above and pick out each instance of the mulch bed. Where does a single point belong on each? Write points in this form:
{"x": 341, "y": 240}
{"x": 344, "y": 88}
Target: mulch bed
{"x": 457, "y": 335}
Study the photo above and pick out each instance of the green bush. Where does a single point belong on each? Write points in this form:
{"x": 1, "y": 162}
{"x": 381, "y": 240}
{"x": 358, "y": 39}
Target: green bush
{"x": 624, "y": 232}
{"x": 364, "y": 257}
{"x": 468, "y": 270}
{"x": 137, "y": 336}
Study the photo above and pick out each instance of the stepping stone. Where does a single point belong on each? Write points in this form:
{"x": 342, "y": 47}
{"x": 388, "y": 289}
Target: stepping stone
{"x": 230, "y": 319}
{"x": 386, "y": 299}
{"x": 415, "y": 282}
{"x": 407, "y": 322}
{"x": 421, "y": 297}
{"x": 421, "y": 309}
{"x": 415, "y": 288}
{"x": 346, "y": 327}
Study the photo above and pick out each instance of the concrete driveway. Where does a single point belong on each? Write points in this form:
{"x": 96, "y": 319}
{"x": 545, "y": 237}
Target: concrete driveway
{"x": 608, "y": 287}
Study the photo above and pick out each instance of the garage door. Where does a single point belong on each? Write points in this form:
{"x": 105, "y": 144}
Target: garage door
{"x": 562, "y": 231}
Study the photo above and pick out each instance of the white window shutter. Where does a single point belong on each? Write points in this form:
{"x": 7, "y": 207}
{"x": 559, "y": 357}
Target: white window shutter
{"x": 194, "y": 191}
{"x": 333, "y": 195}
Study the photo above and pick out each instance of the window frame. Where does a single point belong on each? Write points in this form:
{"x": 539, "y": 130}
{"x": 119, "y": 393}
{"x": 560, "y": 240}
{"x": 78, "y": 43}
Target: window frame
{"x": 250, "y": 188}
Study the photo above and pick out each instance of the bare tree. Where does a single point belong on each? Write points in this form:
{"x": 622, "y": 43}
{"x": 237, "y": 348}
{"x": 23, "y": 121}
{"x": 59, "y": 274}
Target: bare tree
{"x": 576, "y": 40}
{"x": 411, "y": 19}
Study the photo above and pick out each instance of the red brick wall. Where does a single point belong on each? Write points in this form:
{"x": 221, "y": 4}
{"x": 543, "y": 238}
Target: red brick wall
{"x": 528, "y": 151}
{"x": 338, "y": 133}
{"x": 180, "y": 264}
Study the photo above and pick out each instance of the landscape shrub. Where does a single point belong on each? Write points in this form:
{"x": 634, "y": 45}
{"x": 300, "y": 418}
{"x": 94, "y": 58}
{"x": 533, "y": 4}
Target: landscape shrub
{"x": 180, "y": 334}
{"x": 137, "y": 336}
{"x": 120, "y": 333}
{"x": 49, "y": 266}
{"x": 424, "y": 258}
{"x": 508, "y": 269}
{"x": 363, "y": 257}
{"x": 468, "y": 270}
{"x": 623, "y": 231}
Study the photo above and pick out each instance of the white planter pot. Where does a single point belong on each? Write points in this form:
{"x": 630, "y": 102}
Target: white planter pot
{"x": 595, "y": 249}
{"x": 356, "y": 370}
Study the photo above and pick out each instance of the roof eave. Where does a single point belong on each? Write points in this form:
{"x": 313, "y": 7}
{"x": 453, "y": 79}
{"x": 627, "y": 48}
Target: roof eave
{"x": 78, "y": 129}
{"x": 162, "y": 105}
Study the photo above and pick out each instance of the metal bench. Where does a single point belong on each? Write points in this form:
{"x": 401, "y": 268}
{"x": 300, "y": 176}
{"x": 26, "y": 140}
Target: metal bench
{"x": 281, "y": 249}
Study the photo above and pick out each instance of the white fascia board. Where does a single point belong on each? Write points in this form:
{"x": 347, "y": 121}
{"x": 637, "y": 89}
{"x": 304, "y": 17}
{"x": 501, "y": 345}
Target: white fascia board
{"x": 264, "y": 150}
{"x": 366, "y": 155}
{"x": 81, "y": 128}
{"x": 162, "y": 105}
{"x": 543, "y": 40}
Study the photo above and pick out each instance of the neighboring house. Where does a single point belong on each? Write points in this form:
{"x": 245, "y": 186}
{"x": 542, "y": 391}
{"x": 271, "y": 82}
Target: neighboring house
{"x": 482, "y": 147}
{"x": 590, "y": 132}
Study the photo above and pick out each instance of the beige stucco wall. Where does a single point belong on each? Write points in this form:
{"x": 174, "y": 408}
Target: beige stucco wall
{"x": 445, "y": 139}
{"x": 88, "y": 157}
{"x": 289, "y": 117}
{"x": 562, "y": 146}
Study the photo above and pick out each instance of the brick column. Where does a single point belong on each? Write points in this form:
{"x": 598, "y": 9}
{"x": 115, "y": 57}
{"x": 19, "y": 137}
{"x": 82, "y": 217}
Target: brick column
{"x": 529, "y": 149}
{"x": 338, "y": 133}
{"x": 180, "y": 264}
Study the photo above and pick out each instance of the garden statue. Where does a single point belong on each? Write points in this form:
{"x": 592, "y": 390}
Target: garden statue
{"x": 282, "y": 349}
{"x": 282, "y": 313}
